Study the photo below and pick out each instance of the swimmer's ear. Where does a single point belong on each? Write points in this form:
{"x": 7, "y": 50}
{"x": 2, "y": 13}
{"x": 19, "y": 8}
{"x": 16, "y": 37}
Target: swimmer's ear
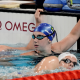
{"x": 49, "y": 41}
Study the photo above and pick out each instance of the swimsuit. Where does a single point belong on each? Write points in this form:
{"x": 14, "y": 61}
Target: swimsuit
{"x": 38, "y": 59}
{"x": 53, "y": 54}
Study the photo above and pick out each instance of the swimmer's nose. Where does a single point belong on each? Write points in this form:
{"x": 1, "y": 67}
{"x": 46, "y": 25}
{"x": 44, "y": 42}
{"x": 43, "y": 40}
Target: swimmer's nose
{"x": 35, "y": 40}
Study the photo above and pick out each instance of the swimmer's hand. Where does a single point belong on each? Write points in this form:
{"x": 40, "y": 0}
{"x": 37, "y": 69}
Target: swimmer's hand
{"x": 38, "y": 16}
{"x": 4, "y": 47}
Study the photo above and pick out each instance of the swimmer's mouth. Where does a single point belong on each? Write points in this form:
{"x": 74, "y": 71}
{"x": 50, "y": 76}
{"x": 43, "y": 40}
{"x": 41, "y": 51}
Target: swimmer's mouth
{"x": 36, "y": 46}
{"x": 70, "y": 68}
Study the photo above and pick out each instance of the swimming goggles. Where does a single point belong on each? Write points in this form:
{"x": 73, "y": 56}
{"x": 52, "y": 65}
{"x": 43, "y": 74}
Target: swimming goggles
{"x": 40, "y": 37}
{"x": 69, "y": 61}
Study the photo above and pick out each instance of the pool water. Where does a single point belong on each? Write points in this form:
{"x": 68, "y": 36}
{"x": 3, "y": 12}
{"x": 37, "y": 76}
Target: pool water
{"x": 23, "y": 65}
{"x": 16, "y": 64}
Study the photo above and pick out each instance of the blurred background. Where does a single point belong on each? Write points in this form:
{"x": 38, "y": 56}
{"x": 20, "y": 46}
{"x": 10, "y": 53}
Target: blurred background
{"x": 36, "y": 4}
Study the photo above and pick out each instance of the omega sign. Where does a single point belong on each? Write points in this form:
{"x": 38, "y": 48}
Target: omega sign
{"x": 23, "y": 26}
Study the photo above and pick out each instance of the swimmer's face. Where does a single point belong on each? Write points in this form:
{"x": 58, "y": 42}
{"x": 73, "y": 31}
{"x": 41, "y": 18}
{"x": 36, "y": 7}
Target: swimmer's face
{"x": 40, "y": 44}
{"x": 70, "y": 64}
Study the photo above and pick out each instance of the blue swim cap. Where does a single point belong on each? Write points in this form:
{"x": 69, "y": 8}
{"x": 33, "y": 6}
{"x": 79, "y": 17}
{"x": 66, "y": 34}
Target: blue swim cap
{"x": 47, "y": 29}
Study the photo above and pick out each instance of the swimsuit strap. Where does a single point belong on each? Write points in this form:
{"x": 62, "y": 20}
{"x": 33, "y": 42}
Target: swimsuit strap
{"x": 40, "y": 54}
{"x": 55, "y": 54}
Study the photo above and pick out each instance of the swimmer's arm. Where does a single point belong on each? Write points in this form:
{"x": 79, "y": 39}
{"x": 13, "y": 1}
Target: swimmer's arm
{"x": 28, "y": 53}
{"x": 69, "y": 40}
{"x": 38, "y": 16}
{"x": 48, "y": 63}
{"x": 28, "y": 47}
{"x": 5, "y": 48}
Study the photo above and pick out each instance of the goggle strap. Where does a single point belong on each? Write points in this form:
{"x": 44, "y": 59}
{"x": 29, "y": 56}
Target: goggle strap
{"x": 56, "y": 37}
{"x": 52, "y": 34}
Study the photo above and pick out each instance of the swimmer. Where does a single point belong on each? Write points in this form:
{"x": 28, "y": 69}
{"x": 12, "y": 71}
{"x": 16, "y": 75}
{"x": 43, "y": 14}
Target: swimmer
{"x": 64, "y": 44}
{"x": 66, "y": 60}
{"x": 57, "y": 47}
{"x": 42, "y": 40}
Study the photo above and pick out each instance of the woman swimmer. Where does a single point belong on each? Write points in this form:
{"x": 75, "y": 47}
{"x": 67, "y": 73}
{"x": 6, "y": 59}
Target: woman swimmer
{"x": 42, "y": 40}
{"x": 57, "y": 47}
{"x": 65, "y": 60}
{"x": 63, "y": 45}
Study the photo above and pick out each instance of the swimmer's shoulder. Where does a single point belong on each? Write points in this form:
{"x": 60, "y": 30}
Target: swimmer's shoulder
{"x": 55, "y": 47}
{"x": 47, "y": 63}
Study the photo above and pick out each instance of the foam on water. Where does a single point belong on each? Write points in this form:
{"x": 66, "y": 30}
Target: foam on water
{"x": 18, "y": 72}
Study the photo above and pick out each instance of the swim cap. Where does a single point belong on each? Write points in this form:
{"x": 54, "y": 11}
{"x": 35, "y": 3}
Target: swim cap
{"x": 63, "y": 55}
{"x": 47, "y": 29}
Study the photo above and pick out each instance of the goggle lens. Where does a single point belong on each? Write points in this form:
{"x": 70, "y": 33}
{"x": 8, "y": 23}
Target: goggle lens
{"x": 39, "y": 37}
{"x": 33, "y": 36}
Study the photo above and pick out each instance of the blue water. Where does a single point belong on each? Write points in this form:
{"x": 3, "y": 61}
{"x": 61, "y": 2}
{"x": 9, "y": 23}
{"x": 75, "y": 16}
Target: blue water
{"x": 23, "y": 65}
